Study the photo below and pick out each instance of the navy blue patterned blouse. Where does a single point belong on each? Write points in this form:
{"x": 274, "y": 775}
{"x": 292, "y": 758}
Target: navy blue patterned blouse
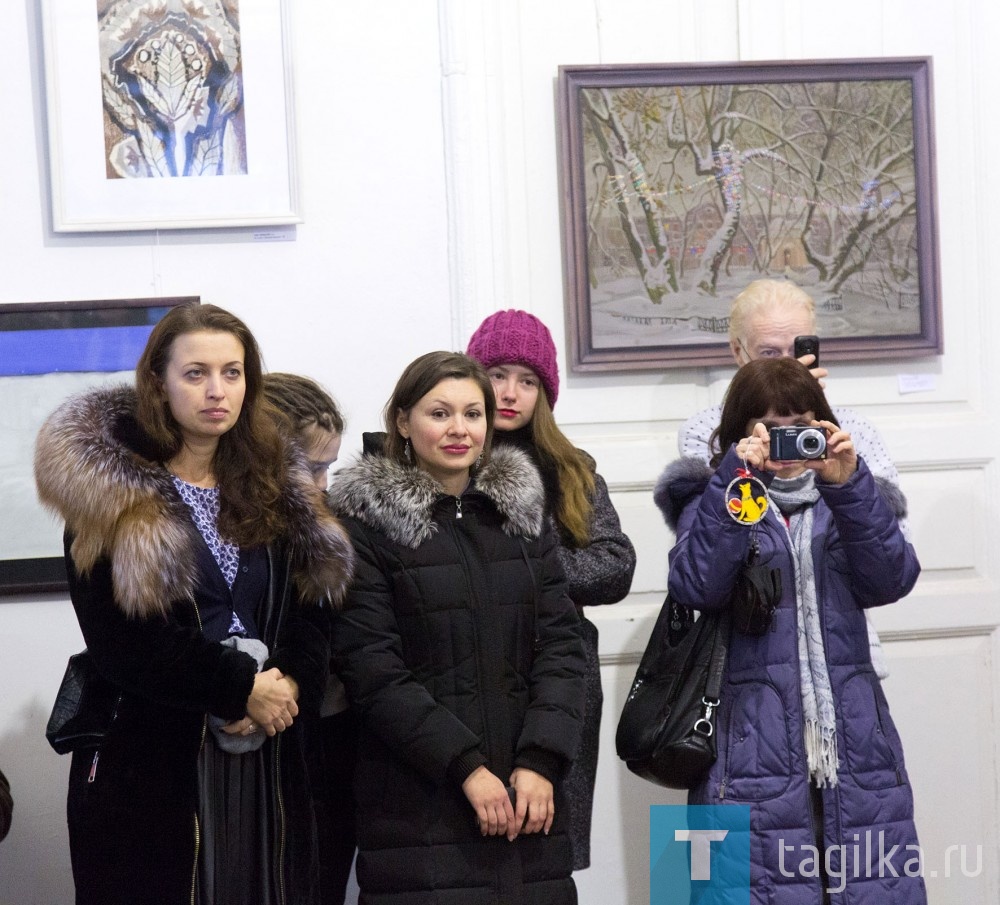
{"x": 204, "y": 505}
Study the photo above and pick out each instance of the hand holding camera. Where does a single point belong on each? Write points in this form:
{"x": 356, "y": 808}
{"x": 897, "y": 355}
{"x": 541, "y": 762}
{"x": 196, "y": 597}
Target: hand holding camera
{"x": 821, "y": 446}
{"x": 841, "y": 459}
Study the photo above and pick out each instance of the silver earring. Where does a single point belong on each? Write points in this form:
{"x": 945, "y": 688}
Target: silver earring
{"x": 479, "y": 460}
{"x": 408, "y": 451}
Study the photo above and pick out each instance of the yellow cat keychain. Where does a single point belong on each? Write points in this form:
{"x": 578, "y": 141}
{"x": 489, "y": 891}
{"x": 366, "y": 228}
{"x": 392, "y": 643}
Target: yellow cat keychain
{"x": 746, "y": 497}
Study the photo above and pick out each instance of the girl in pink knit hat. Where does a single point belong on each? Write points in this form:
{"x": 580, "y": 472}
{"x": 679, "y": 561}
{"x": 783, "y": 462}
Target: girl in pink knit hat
{"x": 519, "y": 355}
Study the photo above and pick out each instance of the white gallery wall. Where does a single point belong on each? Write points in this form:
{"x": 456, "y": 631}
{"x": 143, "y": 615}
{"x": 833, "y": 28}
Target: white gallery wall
{"x": 427, "y": 158}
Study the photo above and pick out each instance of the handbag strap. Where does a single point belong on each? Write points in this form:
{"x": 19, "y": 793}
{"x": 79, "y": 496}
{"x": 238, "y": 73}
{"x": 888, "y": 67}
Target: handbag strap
{"x": 710, "y": 700}
{"x": 716, "y": 669}
{"x": 717, "y": 665}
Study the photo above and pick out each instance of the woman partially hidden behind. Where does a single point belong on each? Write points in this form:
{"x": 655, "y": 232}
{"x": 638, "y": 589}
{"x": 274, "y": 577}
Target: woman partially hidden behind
{"x": 201, "y": 559}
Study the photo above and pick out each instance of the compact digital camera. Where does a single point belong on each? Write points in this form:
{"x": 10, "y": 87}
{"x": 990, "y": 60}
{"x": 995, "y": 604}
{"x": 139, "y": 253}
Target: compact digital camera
{"x": 797, "y": 442}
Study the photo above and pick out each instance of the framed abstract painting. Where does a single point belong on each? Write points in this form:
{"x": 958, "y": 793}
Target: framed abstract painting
{"x": 169, "y": 115}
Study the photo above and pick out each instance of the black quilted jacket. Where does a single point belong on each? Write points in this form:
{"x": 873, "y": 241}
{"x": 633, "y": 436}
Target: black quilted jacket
{"x": 459, "y": 646}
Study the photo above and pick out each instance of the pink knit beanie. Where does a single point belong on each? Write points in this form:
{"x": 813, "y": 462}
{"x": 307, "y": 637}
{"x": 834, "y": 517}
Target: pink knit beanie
{"x": 517, "y": 337}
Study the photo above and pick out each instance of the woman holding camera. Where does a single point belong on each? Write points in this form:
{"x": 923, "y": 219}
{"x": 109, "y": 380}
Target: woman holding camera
{"x": 804, "y": 733}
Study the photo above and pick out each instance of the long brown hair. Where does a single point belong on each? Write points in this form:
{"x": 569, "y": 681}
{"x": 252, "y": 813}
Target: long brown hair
{"x": 780, "y": 385}
{"x": 574, "y": 472}
{"x": 249, "y": 463}
{"x": 418, "y": 379}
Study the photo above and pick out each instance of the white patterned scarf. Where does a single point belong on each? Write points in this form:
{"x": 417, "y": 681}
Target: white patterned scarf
{"x": 796, "y": 498}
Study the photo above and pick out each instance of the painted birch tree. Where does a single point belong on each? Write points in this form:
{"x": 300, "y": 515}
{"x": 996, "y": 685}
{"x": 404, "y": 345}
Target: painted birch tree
{"x": 811, "y": 176}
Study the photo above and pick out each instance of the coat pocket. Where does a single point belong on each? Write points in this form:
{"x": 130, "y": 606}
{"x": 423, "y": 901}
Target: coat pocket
{"x": 758, "y": 743}
{"x": 874, "y": 755}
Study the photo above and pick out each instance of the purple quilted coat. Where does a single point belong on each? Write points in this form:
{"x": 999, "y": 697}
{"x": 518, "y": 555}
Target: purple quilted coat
{"x": 861, "y": 559}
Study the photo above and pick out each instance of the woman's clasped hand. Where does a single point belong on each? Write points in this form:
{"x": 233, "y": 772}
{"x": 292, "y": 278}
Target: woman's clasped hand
{"x": 525, "y": 806}
{"x": 271, "y": 707}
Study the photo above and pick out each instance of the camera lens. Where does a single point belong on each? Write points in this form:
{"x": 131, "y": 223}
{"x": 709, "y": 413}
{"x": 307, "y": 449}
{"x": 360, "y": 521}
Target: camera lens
{"x": 811, "y": 443}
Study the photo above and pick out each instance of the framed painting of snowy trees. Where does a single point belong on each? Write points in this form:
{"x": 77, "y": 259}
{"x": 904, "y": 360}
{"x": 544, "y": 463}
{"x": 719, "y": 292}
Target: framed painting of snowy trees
{"x": 169, "y": 115}
{"x": 681, "y": 184}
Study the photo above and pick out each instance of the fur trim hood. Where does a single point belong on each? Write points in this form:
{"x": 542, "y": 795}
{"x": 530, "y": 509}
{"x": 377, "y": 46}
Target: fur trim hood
{"x": 684, "y": 478}
{"x": 679, "y": 482}
{"x": 90, "y": 469}
{"x": 399, "y": 500}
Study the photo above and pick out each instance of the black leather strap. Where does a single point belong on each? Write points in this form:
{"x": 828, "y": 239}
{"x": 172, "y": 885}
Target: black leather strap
{"x": 717, "y": 666}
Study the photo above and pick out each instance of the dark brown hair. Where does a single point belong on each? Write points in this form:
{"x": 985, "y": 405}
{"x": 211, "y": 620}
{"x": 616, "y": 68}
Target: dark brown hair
{"x": 780, "y": 385}
{"x": 304, "y": 402}
{"x": 419, "y": 378}
{"x": 249, "y": 462}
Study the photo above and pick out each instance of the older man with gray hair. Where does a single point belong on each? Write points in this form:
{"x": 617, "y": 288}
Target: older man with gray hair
{"x": 763, "y": 322}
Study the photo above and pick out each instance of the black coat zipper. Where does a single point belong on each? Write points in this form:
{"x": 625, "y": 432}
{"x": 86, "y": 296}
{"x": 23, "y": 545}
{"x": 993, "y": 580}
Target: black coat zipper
{"x": 197, "y": 823}
{"x": 473, "y": 605}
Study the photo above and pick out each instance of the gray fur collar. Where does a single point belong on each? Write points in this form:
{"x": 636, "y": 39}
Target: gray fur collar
{"x": 681, "y": 480}
{"x": 892, "y": 495}
{"x": 89, "y": 470}
{"x": 687, "y": 477}
{"x": 399, "y": 500}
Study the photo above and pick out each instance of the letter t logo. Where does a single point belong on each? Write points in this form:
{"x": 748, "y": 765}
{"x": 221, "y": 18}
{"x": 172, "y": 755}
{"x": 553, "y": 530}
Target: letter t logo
{"x": 701, "y": 849}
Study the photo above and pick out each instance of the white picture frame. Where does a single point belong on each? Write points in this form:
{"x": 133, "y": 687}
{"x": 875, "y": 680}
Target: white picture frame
{"x": 89, "y": 193}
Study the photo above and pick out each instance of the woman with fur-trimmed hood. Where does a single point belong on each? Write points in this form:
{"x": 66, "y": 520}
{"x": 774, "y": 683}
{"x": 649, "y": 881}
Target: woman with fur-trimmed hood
{"x": 461, "y": 650}
{"x": 804, "y": 735}
{"x": 202, "y": 567}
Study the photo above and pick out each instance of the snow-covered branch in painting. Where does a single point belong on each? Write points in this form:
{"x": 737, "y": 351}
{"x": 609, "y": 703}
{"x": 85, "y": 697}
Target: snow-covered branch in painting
{"x": 693, "y": 182}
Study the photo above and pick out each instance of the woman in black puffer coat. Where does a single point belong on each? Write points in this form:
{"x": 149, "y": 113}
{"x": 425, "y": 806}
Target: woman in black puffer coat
{"x": 461, "y": 651}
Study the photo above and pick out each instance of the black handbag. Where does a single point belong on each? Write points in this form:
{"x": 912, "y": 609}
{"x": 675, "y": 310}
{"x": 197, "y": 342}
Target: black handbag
{"x": 666, "y": 732}
{"x": 85, "y": 707}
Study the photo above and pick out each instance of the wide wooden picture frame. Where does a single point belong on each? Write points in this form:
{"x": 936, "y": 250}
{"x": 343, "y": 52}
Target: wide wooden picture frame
{"x": 680, "y": 184}
{"x": 168, "y": 116}
{"x": 48, "y": 352}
